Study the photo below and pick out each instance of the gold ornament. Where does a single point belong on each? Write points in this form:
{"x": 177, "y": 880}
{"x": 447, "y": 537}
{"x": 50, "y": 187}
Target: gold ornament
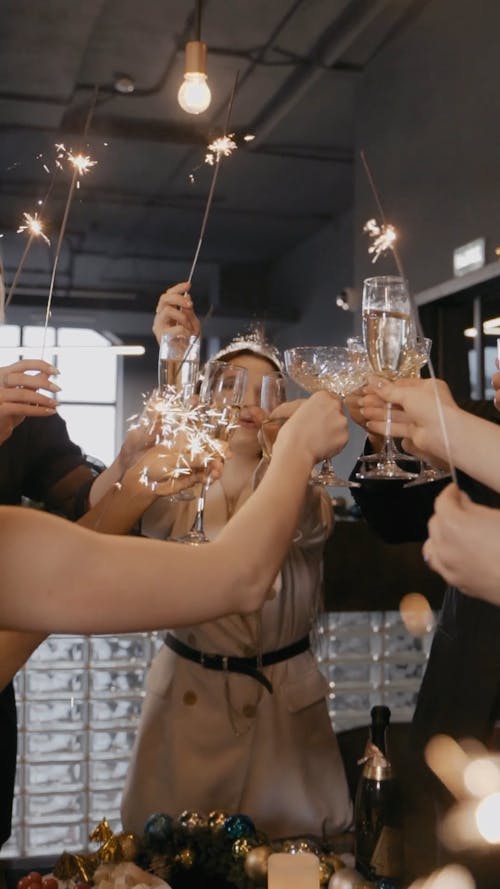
{"x": 300, "y": 846}
{"x": 334, "y": 861}
{"x": 325, "y": 872}
{"x": 216, "y": 819}
{"x": 76, "y": 867}
{"x": 256, "y": 862}
{"x": 192, "y": 820}
{"x": 242, "y": 847}
{"x": 130, "y": 845}
{"x": 185, "y": 858}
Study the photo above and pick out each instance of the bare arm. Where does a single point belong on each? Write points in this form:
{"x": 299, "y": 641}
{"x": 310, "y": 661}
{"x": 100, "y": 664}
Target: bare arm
{"x": 79, "y": 581}
{"x": 474, "y": 443}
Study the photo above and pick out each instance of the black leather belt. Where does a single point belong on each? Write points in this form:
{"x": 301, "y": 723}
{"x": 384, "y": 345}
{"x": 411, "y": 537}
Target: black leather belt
{"x": 248, "y": 666}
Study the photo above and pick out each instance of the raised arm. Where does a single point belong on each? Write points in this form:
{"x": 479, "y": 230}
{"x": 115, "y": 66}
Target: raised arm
{"x": 77, "y": 581}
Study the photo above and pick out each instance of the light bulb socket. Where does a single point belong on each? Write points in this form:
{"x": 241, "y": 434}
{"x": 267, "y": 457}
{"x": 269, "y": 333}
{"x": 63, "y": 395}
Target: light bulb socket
{"x": 195, "y": 57}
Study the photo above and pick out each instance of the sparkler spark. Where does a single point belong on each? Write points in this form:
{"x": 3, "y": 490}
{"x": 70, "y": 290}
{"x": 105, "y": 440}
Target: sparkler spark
{"x": 81, "y": 162}
{"x": 384, "y": 237}
{"x": 34, "y": 226}
{"x": 223, "y": 146}
{"x": 183, "y": 430}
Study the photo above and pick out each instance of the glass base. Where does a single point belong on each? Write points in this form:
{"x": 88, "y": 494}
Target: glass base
{"x": 193, "y": 538}
{"x": 427, "y": 476}
{"x": 386, "y": 470}
{"x": 330, "y": 479}
{"x": 395, "y": 453}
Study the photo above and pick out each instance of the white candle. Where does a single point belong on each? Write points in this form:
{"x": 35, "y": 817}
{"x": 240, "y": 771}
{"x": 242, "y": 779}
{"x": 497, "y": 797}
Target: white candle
{"x": 286, "y": 871}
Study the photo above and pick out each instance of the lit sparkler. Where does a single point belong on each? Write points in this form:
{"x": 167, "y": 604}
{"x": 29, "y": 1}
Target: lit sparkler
{"x": 383, "y": 236}
{"x": 82, "y": 164}
{"x": 183, "y": 430}
{"x": 221, "y": 147}
{"x": 225, "y": 146}
{"x": 33, "y": 225}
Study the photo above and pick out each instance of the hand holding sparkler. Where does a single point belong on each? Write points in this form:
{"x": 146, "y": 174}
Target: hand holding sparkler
{"x": 175, "y": 314}
{"x": 20, "y": 396}
{"x": 463, "y": 535}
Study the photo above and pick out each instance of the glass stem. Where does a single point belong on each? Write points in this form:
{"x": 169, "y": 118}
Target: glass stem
{"x": 388, "y": 450}
{"x": 200, "y": 512}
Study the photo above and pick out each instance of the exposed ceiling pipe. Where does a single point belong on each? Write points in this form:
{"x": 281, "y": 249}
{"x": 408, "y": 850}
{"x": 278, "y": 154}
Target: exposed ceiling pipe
{"x": 330, "y": 50}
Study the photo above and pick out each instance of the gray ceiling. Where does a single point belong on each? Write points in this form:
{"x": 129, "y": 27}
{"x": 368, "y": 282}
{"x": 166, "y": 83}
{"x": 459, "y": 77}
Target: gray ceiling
{"x": 134, "y": 223}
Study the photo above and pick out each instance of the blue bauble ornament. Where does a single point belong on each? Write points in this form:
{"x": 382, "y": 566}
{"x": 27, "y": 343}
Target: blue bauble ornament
{"x": 238, "y": 826}
{"x": 158, "y": 829}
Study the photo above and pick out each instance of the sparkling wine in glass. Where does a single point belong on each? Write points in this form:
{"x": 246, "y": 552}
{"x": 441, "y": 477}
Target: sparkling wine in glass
{"x": 314, "y": 368}
{"x": 221, "y": 395}
{"x": 178, "y": 364}
{"x": 387, "y": 329}
{"x": 272, "y": 394}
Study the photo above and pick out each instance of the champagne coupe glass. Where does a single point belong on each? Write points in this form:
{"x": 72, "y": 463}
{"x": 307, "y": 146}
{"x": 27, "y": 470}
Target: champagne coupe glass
{"x": 308, "y": 367}
{"x": 221, "y": 395}
{"x": 272, "y": 394}
{"x": 343, "y": 371}
{"x": 386, "y": 332}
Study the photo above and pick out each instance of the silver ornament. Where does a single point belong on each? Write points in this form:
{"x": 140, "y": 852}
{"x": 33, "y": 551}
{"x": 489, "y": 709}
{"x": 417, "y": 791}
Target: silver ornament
{"x": 346, "y": 878}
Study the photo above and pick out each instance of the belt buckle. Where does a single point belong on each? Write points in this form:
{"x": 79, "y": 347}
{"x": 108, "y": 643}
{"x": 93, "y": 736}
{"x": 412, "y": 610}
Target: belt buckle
{"x": 225, "y": 663}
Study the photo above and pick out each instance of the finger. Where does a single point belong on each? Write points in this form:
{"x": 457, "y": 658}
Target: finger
{"x": 174, "y": 315}
{"x": 25, "y": 410}
{"x": 30, "y": 364}
{"x": 26, "y": 396}
{"x": 176, "y": 296}
{"x": 30, "y": 381}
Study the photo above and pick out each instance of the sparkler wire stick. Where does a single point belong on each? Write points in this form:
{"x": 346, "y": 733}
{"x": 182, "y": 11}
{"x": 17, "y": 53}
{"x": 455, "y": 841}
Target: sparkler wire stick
{"x": 76, "y": 170}
{"x": 214, "y": 180}
{"x": 416, "y": 320}
{"x": 19, "y": 269}
{"x": 218, "y": 155}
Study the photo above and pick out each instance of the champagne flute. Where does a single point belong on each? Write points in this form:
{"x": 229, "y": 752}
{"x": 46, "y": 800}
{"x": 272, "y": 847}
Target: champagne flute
{"x": 179, "y": 364}
{"x": 418, "y": 355}
{"x": 221, "y": 394}
{"x": 272, "y": 394}
{"x": 178, "y": 370}
{"x": 386, "y": 332}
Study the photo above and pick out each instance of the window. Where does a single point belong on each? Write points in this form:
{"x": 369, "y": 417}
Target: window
{"x": 89, "y": 377}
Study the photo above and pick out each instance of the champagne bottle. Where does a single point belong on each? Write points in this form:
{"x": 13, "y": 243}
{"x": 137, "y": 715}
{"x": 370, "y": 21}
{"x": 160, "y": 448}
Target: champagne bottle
{"x": 377, "y": 811}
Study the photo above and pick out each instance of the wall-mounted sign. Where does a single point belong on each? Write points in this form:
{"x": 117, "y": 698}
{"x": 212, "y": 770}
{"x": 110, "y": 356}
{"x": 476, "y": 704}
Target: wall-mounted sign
{"x": 469, "y": 257}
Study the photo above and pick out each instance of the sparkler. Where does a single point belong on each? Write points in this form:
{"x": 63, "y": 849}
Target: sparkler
{"x": 181, "y": 429}
{"x": 219, "y": 148}
{"x": 34, "y": 226}
{"x": 388, "y": 236}
{"x": 81, "y": 165}
{"x": 384, "y": 237}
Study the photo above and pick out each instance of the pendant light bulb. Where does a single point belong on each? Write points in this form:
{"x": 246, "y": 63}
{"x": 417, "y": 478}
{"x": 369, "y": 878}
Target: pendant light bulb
{"x": 194, "y": 95}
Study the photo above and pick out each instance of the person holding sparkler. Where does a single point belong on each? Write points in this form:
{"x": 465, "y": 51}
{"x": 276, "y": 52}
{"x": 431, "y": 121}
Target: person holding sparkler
{"x": 38, "y": 461}
{"x": 460, "y": 691}
{"x": 78, "y": 581}
{"x": 255, "y": 736}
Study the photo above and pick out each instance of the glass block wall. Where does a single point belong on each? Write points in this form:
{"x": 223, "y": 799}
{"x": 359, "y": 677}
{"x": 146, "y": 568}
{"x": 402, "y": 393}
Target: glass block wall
{"x": 79, "y": 700}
